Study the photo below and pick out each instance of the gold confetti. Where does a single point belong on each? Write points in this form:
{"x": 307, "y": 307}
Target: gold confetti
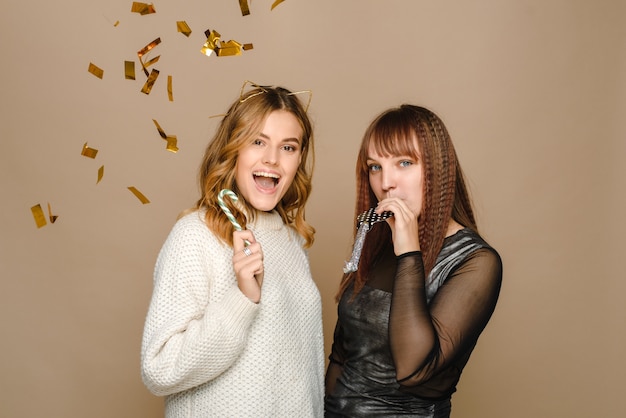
{"x": 53, "y": 218}
{"x": 229, "y": 48}
{"x": 161, "y": 131}
{"x": 129, "y": 70}
{"x": 100, "y": 174}
{"x": 147, "y": 87}
{"x": 276, "y": 3}
{"x": 89, "y": 152}
{"x": 245, "y": 10}
{"x": 183, "y": 28}
{"x": 116, "y": 23}
{"x": 38, "y": 215}
{"x": 247, "y": 46}
{"x": 139, "y": 195}
{"x": 143, "y": 51}
{"x": 170, "y": 94}
{"x": 171, "y": 144}
{"x": 95, "y": 70}
{"x": 142, "y": 8}
{"x": 211, "y": 42}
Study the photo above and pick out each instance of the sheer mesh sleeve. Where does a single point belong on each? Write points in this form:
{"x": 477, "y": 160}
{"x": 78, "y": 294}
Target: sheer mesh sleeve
{"x": 430, "y": 343}
{"x": 336, "y": 359}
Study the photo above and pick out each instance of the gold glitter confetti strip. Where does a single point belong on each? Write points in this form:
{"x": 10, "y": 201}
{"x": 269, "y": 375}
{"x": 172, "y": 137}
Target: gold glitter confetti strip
{"x": 247, "y": 47}
{"x": 139, "y": 195}
{"x": 170, "y": 94}
{"x": 276, "y": 3}
{"x": 53, "y": 218}
{"x": 116, "y": 23}
{"x": 142, "y": 8}
{"x": 95, "y": 70}
{"x": 183, "y": 28}
{"x": 100, "y": 174}
{"x": 171, "y": 144}
{"x": 89, "y": 152}
{"x": 38, "y": 215}
{"x": 147, "y": 87}
{"x": 129, "y": 70}
{"x": 245, "y": 10}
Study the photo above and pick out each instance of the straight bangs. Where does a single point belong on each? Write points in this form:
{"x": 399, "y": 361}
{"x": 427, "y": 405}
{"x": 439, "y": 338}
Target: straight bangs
{"x": 388, "y": 136}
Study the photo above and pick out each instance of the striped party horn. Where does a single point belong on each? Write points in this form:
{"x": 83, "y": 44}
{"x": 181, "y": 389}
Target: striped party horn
{"x": 220, "y": 200}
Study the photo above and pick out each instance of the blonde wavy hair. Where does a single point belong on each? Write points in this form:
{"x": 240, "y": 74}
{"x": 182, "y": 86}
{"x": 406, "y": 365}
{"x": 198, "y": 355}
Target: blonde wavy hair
{"x": 240, "y": 127}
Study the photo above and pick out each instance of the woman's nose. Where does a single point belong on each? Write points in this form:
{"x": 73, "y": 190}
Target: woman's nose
{"x": 388, "y": 180}
{"x": 270, "y": 156}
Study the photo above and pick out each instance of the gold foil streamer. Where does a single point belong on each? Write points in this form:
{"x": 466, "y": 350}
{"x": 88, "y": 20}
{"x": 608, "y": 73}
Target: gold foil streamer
{"x": 139, "y": 195}
{"x": 89, "y": 152}
{"x": 245, "y": 10}
{"x": 38, "y": 215}
{"x": 209, "y": 46}
{"x": 95, "y": 70}
{"x": 170, "y": 94}
{"x": 129, "y": 70}
{"x": 100, "y": 174}
{"x": 142, "y": 8}
{"x": 53, "y": 218}
{"x": 183, "y": 28}
{"x": 147, "y": 87}
{"x": 276, "y": 3}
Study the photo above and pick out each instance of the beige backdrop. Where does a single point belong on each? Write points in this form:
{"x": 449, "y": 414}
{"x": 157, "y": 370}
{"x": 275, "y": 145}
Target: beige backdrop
{"x": 532, "y": 91}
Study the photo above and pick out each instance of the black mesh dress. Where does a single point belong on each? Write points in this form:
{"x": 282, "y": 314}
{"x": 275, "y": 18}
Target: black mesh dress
{"x": 400, "y": 346}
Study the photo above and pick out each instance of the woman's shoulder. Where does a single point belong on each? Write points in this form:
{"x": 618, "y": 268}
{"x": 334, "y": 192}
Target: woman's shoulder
{"x": 192, "y": 226}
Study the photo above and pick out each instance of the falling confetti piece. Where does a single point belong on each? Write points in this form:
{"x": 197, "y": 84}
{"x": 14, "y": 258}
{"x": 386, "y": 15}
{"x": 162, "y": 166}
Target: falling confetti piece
{"x": 245, "y": 10}
{"x": 247, "y": 47}
{"x": 100, "y": 174}
{"x": 53, "y": 218}
{"x": 95, "y": 70}
{"x": 276, "y": 3}
{"x": 183, "y": 28}
{"x": 129, "y": 70}
{"x": 170, "y": 94}
{"x": 139, "y": 195}
{"x": 38, "y": 215}
{"x": 89, "y": 152}
{"x": 143, "y": 51}
{"x": 142, "y": 8}
{"x": 147, "y": 87}
{"x": 161, "y": 131}
{"x": 116, "y": 23}
{"x": 229, "y": 48}
{"x": 171, "y": 144}
{"x": 211, "y": 42}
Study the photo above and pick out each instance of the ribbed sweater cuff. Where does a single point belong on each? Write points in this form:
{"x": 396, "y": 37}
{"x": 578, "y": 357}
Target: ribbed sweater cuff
{"x": 242, "y": 310}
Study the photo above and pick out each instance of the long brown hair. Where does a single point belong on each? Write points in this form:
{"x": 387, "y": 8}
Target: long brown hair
{"x": 446, "y": 196}
{"x": 242, "y": 125}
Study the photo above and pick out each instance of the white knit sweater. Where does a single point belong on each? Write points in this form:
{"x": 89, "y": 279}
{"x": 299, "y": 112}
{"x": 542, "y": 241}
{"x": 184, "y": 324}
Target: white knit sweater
{"x": 211, "y": 351}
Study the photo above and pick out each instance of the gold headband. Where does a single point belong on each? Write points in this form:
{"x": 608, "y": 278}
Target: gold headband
{"x": 263, "y": 90}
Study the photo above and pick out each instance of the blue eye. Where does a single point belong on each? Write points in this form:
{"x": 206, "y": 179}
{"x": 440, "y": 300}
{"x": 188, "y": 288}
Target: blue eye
{"x": 374, "y": 167}
{"x": 406, "y": 163}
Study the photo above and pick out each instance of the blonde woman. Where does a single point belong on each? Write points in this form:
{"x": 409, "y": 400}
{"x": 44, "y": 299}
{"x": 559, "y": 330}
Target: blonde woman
{"x": 234, "y": 326}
